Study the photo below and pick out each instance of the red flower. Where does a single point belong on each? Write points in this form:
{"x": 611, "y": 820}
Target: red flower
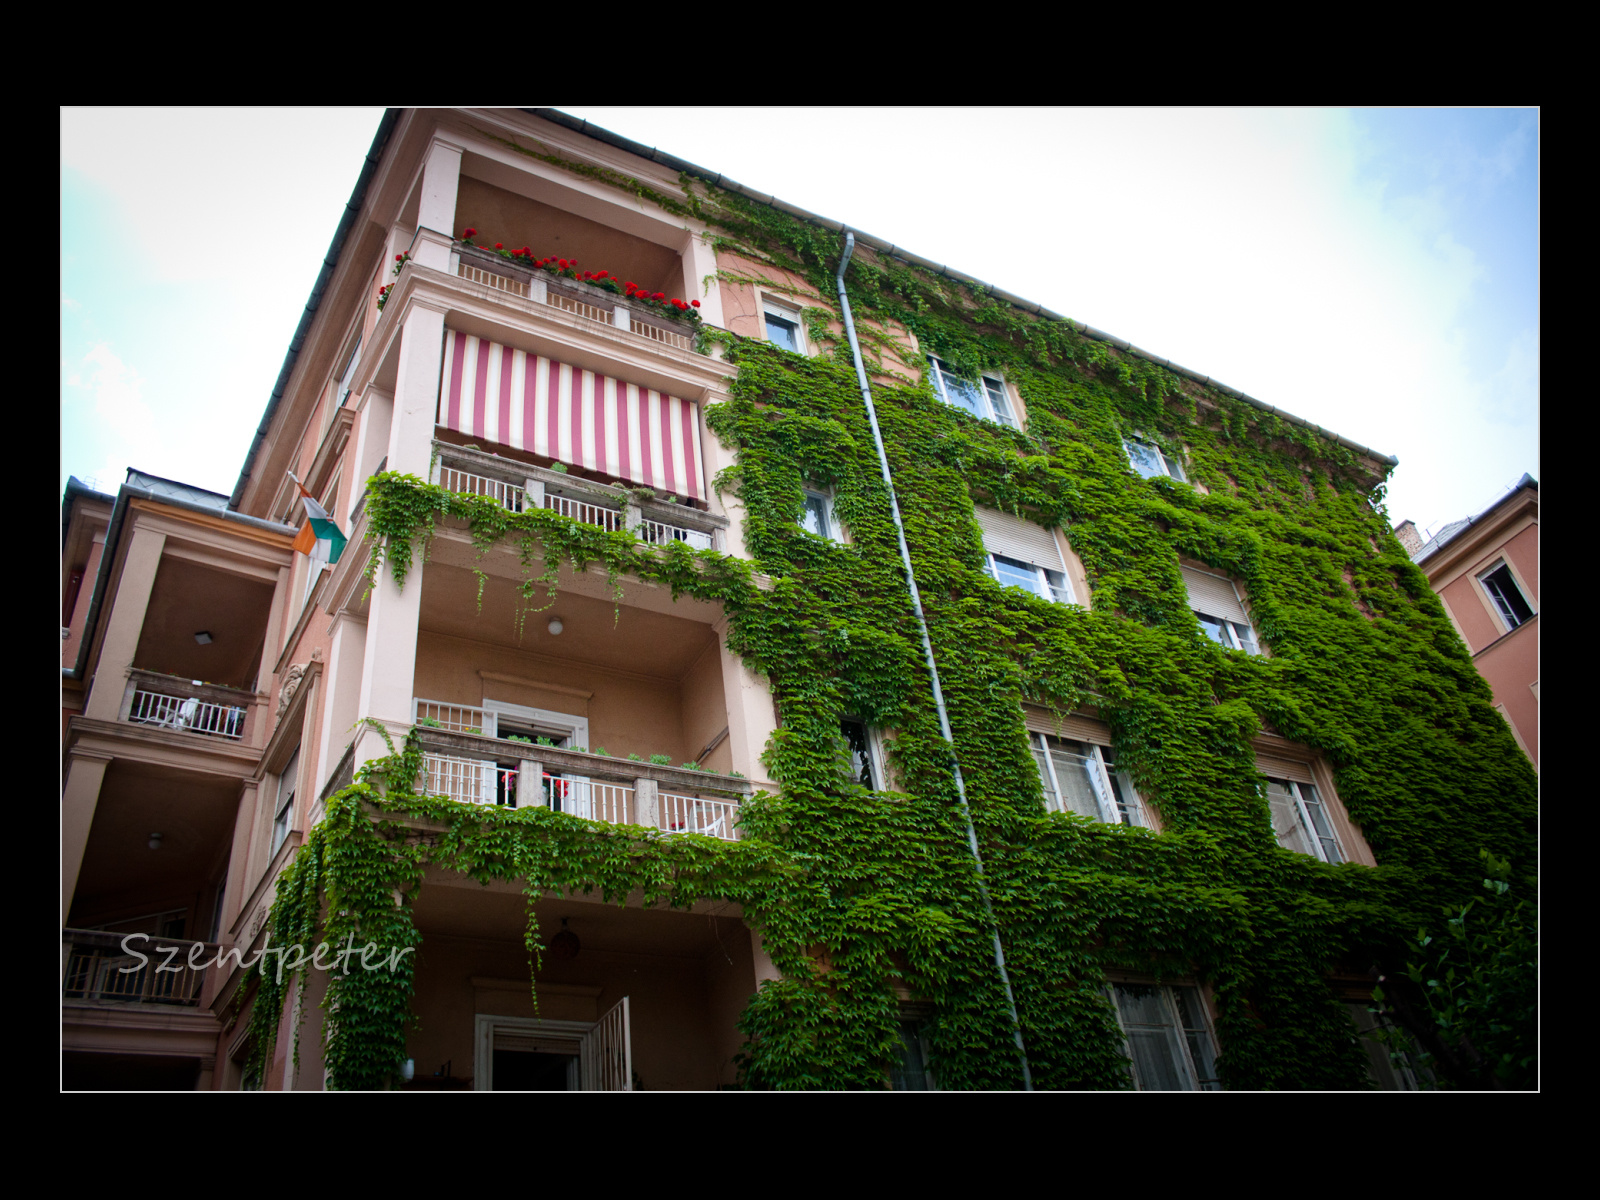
{"x": 399, "y": 257}
{"x": 469, "y": 233}
{"x": 695, "y": 303}
{"x": 659, "y": 296}
{"x": 602, "y": 274}
{"x": 499, "y": 246}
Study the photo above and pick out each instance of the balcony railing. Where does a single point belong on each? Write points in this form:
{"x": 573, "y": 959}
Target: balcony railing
{"x": 593, "y": 787}
{"x": 607, "y": 507}
{"x": 98, "y": 968}
{"x": 166, "y": 702}
{"x": 591, "y": 303}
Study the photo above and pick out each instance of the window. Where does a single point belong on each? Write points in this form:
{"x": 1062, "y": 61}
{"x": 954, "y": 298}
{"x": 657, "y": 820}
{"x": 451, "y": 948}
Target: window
{"x": 986, "y": 399}
{"x": 817, "y": 515}
{"x": 1169, "y": 1039}
{"x": 1390, "y": 1065}
{"x": 1215, "y": 602}
{"x": 1022, "y": 554}
{"x": 911, "y": 1073}
{"x": 284, "y": 813}
{"x": 783, "y": 327}
{"x": 866, "y": 762}
{"x": 1301, "y": 821}
{"x": 1506, "y": 596}
{"x": 1082, "y": 778}
{"x": 1149, "y": 460}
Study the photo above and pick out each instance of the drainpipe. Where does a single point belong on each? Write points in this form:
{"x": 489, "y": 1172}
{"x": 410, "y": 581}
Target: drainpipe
{"x": 933, "y": 668}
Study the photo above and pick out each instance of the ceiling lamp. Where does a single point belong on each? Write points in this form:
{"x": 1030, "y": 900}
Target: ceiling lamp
{"x": 203, "y": 637}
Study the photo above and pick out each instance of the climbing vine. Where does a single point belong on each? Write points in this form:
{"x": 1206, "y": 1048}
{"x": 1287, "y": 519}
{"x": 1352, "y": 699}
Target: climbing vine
{"x": 863, "y": 897}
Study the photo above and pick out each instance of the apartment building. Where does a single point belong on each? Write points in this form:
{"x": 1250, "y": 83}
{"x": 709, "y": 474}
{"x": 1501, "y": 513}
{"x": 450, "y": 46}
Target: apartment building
{"x": 1486, "y": 572}
{"x": 683, "y": 816}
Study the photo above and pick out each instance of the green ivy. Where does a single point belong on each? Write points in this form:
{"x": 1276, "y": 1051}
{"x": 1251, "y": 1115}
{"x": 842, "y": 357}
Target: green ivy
{"x": 861, "y": 895}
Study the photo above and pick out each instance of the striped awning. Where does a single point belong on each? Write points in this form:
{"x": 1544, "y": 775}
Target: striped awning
{"x": 529, "y": 402}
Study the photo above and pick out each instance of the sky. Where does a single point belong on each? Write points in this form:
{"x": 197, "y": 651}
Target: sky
{"x": 1374, "y": 271}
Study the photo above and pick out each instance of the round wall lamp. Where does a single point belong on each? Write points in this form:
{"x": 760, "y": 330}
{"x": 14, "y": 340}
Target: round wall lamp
{"x": 564, "y": 945}
{"x": 555, "y": 626}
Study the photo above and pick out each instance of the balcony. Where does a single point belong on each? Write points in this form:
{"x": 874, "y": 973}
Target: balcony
{"x": 99, "y": 969}
{"x": 519, "y": 486}
{"x": 592, "y": 303}
{"x": 189, "y": 706}
{"x": 465, "y": 759}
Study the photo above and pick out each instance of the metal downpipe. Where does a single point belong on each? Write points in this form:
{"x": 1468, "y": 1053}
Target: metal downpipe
{"x": 927, "y": 651}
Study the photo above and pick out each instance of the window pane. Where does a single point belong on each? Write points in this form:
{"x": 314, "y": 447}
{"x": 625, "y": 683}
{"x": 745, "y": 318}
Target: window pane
{"x": 1247, "y": 638}
{"x": 997, "y": 401}
{"x": 856, "y": 741}
{"x": 1507, "y": 597}
{"x": 1052, "y": 801}
{"x": 912, "y": 1073}
{"x": 1060, "y": 589}
{"x": 1286, "y": 822}
{"x": 958, "y": 391}
{"x": 1320, "y": 824}
{"x": 783, "y": 333}
{"x": 1174, "y": 467}
{"x": 1012, "y": 573}
{"x": 1144, "y": 459}
{"x": 1215, "y": 629}
{"x": 1072, "y": 765}
{"x": 814, "y": 518}
{"x": 1152, "y": 1040}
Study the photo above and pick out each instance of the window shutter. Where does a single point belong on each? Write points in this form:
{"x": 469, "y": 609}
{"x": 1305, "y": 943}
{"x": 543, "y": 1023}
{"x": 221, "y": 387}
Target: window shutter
{"x": 1284, "y": 768}
{"x": 1078, "y": 728}
{"x": 1213, "y": 595}
{"x": 1012, "y": 537}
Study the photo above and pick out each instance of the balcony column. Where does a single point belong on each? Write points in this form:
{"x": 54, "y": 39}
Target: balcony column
{"x": 529, "y": 784}
{"x": 436, "y": 207}
{"x": 86, "y": 771}
{"x": 375, "y": 415}
{"x": 126, "y": 623}
{"x": 647, "y": 804}
{"x": 344, "y": 671}
{"x": 264, "y": 713}
{"x": 699, "y": 264}
{"x": 751, "y": 717}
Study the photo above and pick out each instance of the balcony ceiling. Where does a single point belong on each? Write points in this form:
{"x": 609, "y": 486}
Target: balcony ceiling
{"x": 189, "y": 597}
{"x": 194, "y": 816}
{"x": 629, "y": 638}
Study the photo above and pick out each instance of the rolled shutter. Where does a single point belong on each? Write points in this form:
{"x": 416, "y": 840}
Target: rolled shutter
{"x": 1284, "y": 768}
{"x": 1213, "y": 595}
{"x": 1078, "y": 728}
{"x": 1012, "y": 537}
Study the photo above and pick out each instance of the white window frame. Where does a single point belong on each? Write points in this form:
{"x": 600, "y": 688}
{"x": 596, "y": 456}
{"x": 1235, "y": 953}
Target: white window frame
{"x": 1118, "y": 801}
{"x": 1053, "y": 586}
{"x": 1307, "y": 805}
{"x": 880, "y": 781}
{"x": 583, "y": 1039}
{"x": 1499, "y": 603}
{"x": 830, "y": 523}
{"x": 1170, "y": 467}
{"x": 989, "y": 387}
{"x": 577, "y": 796}
{"x": 777, "y": 310}
{"x": 1179, "y": 1035}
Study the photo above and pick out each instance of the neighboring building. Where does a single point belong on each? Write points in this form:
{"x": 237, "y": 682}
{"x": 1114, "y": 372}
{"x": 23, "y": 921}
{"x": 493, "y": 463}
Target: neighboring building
{"x": 1486, "y": 571}
{"x": 635, "y": 689}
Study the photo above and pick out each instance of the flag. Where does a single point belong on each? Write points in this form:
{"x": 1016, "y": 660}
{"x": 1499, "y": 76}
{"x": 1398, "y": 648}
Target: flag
{"x": 319, "y": 538}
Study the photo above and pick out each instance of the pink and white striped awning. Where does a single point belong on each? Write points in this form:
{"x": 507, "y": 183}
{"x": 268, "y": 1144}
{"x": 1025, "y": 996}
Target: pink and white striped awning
{"x": 533, "y": 403}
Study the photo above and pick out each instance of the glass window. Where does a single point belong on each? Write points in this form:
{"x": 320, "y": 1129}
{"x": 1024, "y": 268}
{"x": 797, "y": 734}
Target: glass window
{"x": 283, "y": 818}
{"x": 783, "y": 329}
{"x": 1042, "y": 582}
{"x": 863, "y": 752}
{"x": 986, "y": 399}
{"x": 1301, "y": 821}
{"x": 1150, "y": 461}
{"x": 1169, "y": 1039}
{"x": 1506, "y": 596}
{"x": 1081, "y": 778}
{"x": 817, "y": 516}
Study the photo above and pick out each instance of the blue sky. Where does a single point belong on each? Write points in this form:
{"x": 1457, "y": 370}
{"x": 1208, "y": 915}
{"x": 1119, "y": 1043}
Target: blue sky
{"x": 1374, "y": 271}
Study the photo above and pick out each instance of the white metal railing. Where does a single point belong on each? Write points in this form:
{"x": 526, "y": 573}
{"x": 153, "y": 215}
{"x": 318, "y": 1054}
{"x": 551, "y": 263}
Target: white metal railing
{"x": 489, "y": 279}
{"x": 507, "y": 495}
{"x": 691, "y": 814}
{"x": 665, "y": 336}
{"x": 99, "y": 969}
{"x": 591, "y": 799}
{"x": 468, "y": 780}
{"x": 187, "y": 712}
{"x": 457, "y": 718}
{"x": 659, "y": 534}
{"x": 589, "y": 514}
{"x": 568, "y": 304}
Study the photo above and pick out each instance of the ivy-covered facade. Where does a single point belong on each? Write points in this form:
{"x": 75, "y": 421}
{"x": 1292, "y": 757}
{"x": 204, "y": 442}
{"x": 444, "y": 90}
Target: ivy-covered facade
{"x": 1221, "y": 755}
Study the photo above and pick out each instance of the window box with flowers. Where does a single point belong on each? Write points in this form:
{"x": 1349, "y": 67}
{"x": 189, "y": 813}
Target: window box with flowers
{"x": 599, "y": 289}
